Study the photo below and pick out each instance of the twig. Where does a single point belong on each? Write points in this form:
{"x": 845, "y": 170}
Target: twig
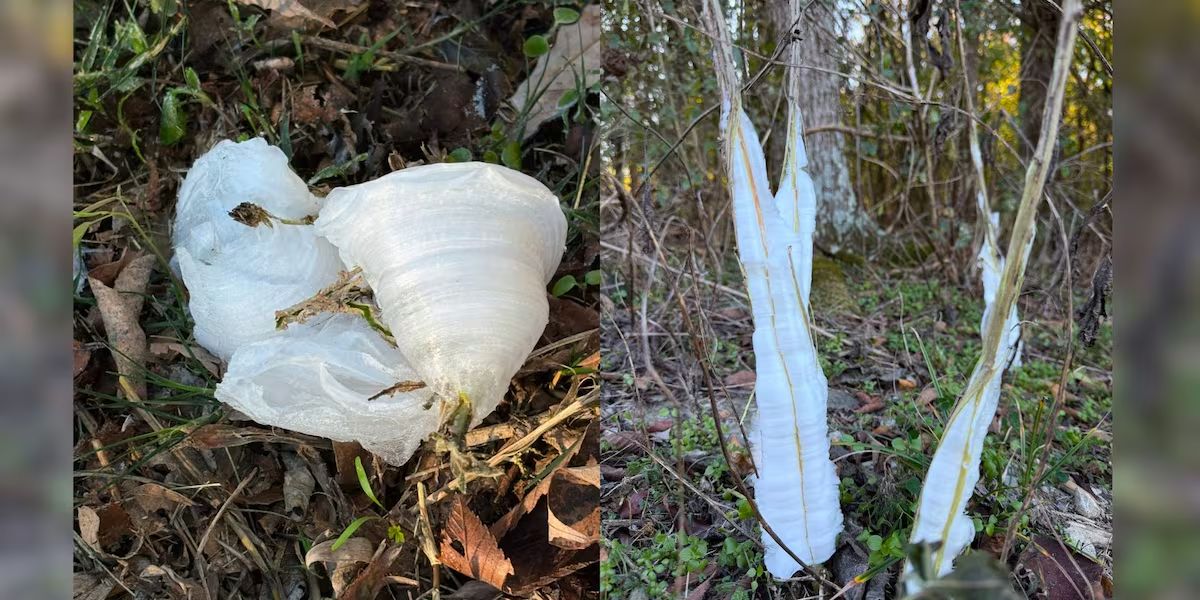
{"x": 336, "y": 46}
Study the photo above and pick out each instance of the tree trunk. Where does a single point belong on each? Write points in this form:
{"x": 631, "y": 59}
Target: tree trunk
{"x": 841, "y": 222}
{"x": 1039, "y": 28}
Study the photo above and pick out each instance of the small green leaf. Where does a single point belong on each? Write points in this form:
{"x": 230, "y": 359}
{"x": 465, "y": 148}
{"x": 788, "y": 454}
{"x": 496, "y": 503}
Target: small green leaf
{"x": 396, "y": 534}
{"x": 874, "y": 543}
{"x": 85, "y": 117}
{"x": 536, "y": 45}
{"x": 459, "y": 155}
{"x": 172, "y": 126}
{"x": 568, "y": 99}
{"x": 79, "y": 231}
{"x": 364, "y": 482}
{"x": 565, "y": 284}
{"x": 593, "y": 277}
{"x": 192, "y": 79}
{"x": 744, "y": 510}
{"x": 565, "y": 16}
{"x": 337, "y": 170}
{"x": 511, "y": 155}
{"x": 491, "y": 157}
{"x": 350, "y": 531}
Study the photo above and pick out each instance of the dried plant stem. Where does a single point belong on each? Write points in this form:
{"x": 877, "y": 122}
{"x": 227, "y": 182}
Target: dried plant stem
{"x": 1011, "y": 281}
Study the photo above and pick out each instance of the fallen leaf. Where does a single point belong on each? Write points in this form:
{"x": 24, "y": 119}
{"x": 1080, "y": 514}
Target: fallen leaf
{"x": 574, "y": 510}
{"x": 906, "y": 384}
{"x": 659, "y": 425}
{"x": 153, "y": 497}
{"x": 371, "y": 580}
{"x": 120, "y": 308}
{"x": 81, "y": 357}
{"x": 631, "y": 505}
{"x": 611, "y": 473}
{"x": 1062, "y": 573}
{"x": 103, "y": 528}
{"x": 870, "y": 404}
{"x": 622, "y": 441}
{"x": 307, "y": 110}
{"x": 699, "y": 591}
{"x": 89, "y": 526}
{"x": 344, "y": 454}
{"x": 480, "y": 556}
{"x": 288, "y": 9}
{"x": 927, "y": 395}
{"x": 166, "y": 348}
{"x": 355, "y": 549}
{"x": 741, "y": 378}
{"x": 87, "y": 586}
{"x": 576, "y": 56}
{"x": 298, "y": 486}
{"x": 589, "y": 475}
{"x": 107, "y": 272}
{"x": 536, "y": 561}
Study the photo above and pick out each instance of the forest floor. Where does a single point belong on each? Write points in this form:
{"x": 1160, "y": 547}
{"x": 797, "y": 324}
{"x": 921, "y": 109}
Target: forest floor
{"x": 897, "y": 345}
{"x": 175, "y": 497}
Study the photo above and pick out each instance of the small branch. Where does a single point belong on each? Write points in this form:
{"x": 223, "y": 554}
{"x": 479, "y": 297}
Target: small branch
{"x": 336, "y": 46}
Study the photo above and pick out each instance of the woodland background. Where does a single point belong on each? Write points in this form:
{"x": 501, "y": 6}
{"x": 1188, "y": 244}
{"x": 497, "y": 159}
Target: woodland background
{"x": 896, "y": 293}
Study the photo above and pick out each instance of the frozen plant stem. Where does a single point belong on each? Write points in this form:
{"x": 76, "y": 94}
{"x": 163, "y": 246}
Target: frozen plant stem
{"x": 796, "y": 489}
{"x": 941, "y": 519}
{"x": 991, "y": 261}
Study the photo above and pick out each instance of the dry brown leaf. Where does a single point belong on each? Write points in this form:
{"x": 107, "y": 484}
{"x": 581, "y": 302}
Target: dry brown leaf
{"x": 870, "y": 404}
{"x": 480, "y": 557}
{"x": 355, "y": 549}
{"x": 574, "y": 508}
{"x": 586, "y": 475}
{"x": 927, "y": 395}
{"x": 298, "y": 486}
{"x": 107, "y": 272}
{"x": 86, "y": 586}
{"x": 120, "y": 308}
{"x": 576, "y": 54}
{"x": 566, "y": 536}
{"x": 371, "y": 581}
{"x": 740, "y": 379}
{"x": 89, "y": 526}
{"x": 288, "y": 9}
{"x": 906, "y": 384}
{"x": 169, "y": 348}
{"x": 81, "y": 357}
{"x": 538, "y": 562}
{"x": 132, "y": 281}
{"x": 153, "y": 497}
{"x": 344, "y": 454}
{"x": 104, "y": 527}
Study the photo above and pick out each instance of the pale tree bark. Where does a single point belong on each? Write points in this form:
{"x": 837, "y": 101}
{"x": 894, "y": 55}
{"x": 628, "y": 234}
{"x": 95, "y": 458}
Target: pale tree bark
{"x": 841, "y": 221}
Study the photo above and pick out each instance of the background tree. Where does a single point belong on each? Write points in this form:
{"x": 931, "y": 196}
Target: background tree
{"x": 841, "y": 220}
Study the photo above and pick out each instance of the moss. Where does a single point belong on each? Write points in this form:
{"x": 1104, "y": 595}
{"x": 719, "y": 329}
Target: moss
{"x": 829, "y": 289}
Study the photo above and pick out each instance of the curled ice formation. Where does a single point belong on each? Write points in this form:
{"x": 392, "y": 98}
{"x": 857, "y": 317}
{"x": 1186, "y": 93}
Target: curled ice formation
{"x": 238, "y": 276}
{"x": 458, "y": 256}
{"x": 322, "y": 378}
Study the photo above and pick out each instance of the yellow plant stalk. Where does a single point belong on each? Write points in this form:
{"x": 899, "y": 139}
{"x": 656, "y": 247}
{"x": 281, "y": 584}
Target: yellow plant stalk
{"x": 941, "y": 519}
